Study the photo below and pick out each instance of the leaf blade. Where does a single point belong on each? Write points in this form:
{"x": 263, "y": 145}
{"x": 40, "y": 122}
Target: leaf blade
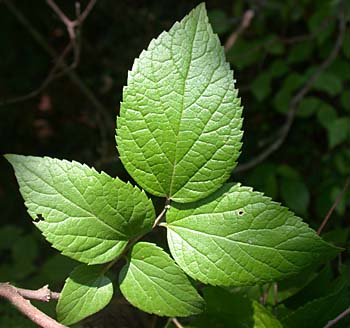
{"x": 85, "y": 292}
{"x": 167, "y": 126}
{"x": 153, "y": 282}
{"x": 88, "y": 216}
{"x": 239, "y": 237}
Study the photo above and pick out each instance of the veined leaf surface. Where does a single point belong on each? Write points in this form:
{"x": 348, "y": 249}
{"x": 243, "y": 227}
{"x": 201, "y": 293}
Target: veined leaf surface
{"x": 85, "y": 292}
{"x": 240, "y": 237}
{"x": 179, "y": 128}
{"x": 154, "y": 283}
{"x": 87, "y": 215}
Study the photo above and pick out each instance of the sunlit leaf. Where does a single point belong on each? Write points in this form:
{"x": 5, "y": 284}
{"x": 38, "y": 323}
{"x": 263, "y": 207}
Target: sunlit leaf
{"x": 178, "y": 133}
{"x": 85, "y": 292}
{"x": 87, "y": 215}
{"x": 240, "y": 237}
{"x": 154, "y": 283}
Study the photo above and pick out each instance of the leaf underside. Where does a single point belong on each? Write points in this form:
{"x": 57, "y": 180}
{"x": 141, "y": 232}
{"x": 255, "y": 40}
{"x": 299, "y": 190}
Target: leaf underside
{"x": 154, "y": 283}
{"x": 89, "y": 216}
{"x": 179, "y": 128}
{"x": 85, "y": 292}
{"x": 240, "y": 237}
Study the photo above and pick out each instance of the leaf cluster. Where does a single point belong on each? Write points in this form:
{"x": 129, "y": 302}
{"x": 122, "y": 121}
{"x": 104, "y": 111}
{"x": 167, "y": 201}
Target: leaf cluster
{"x": 179, "y": 137}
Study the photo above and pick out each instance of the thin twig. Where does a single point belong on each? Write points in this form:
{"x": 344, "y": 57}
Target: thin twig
{"x": 293, "y": 105}
{"x": 246, "y": 20}
{"x": 336, "y": 202}
{"x": 44, "y": 294}
{"x": 161, "y": 215}
{"x": 59, "y": 60}
{"x": 71, "y": 74}
{"x": 50, "y": 77}
{"x": 13, "y": 295}
{"x": 73, "y": 26}
{"x": 177, "y": 323}
{"x": 275, "y": 299}
{"x": 341, "y": 316}
{"x": 264, "y": 296}
{"x": 87, "y": 10}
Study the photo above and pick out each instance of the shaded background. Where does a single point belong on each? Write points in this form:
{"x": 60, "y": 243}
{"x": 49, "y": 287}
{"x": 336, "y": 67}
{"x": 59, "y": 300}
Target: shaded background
{"x": 292, "y": 65}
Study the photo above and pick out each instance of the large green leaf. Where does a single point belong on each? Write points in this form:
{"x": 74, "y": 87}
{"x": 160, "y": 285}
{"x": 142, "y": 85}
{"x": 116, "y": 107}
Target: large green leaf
{"x": 239, "y": 237}
{"x": 225, "y": 309}
{"x": 89, "y": 216}
{"x": 178, "y": 133}
{"x": 154, "y": 283}
{"x": 85, "y": 292}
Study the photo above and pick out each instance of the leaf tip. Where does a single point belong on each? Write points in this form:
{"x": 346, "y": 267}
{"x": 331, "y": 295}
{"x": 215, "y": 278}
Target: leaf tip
{"x": 11, "y": 158}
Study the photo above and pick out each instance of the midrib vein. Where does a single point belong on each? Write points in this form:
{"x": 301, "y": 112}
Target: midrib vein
{"x": 182, "y": 110}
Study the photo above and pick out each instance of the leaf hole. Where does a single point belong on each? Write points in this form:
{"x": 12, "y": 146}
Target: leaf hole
{"x": 38, "y": 218}
{"x": 240, "y": 212}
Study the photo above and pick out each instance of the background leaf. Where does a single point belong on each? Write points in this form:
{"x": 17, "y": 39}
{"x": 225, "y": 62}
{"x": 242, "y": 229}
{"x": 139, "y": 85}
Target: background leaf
{"x": 239, "y": 237}
{"x": 154, "y": 283}
{"x": 178, "y": 132}
{"x": 225, "y": 309}
{"x": 85, "y": 292}
{"x": 295, "y": 195}
{"x": 318, "y": 312}
{"x": 89, "y": 216}
{"x": 338, "y": 131}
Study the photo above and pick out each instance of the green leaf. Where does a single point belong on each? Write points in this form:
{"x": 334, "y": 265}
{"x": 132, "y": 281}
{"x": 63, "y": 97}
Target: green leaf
{"x": 24, "y": 261}
{"x": 340, "y": 68}
{"x": 346, "y": 45}
{"x": 287, "y": 171}
{"x": 154, "y": 283}
{"x": 338, "y": 131}
{"x": 295, "y": 194}
{"x": 300, "y": 52}
{"x": 225, "y": 309}
{"x": 342, "y": 204}
{"x": 178, "y": 133}
{"x": 318, "y": 19}
{"x": 9, "y": 236}
{"x": 85, "y": 292}
{"x": 274, "y": 45}
{"x": 326, "y": 115}
{"x": 88, "y": 216}
{"x": 329, "y": 83}
{"x": 278, "y": 68}
{"x": 239, "y": 237}
{"x": 244, "y": 54}
{"x": 318, "y": 312}
{"x": 261, "y": 86}
{"x": 56, "y": 268}
{"x": 308, "y": 106}
{"x": 290, "y": 84}
{"x": 219, "y": 21}
{"x": 269, "y": 183}
{"x": 315, "y": 286}
{"x": 345, "y": 100}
